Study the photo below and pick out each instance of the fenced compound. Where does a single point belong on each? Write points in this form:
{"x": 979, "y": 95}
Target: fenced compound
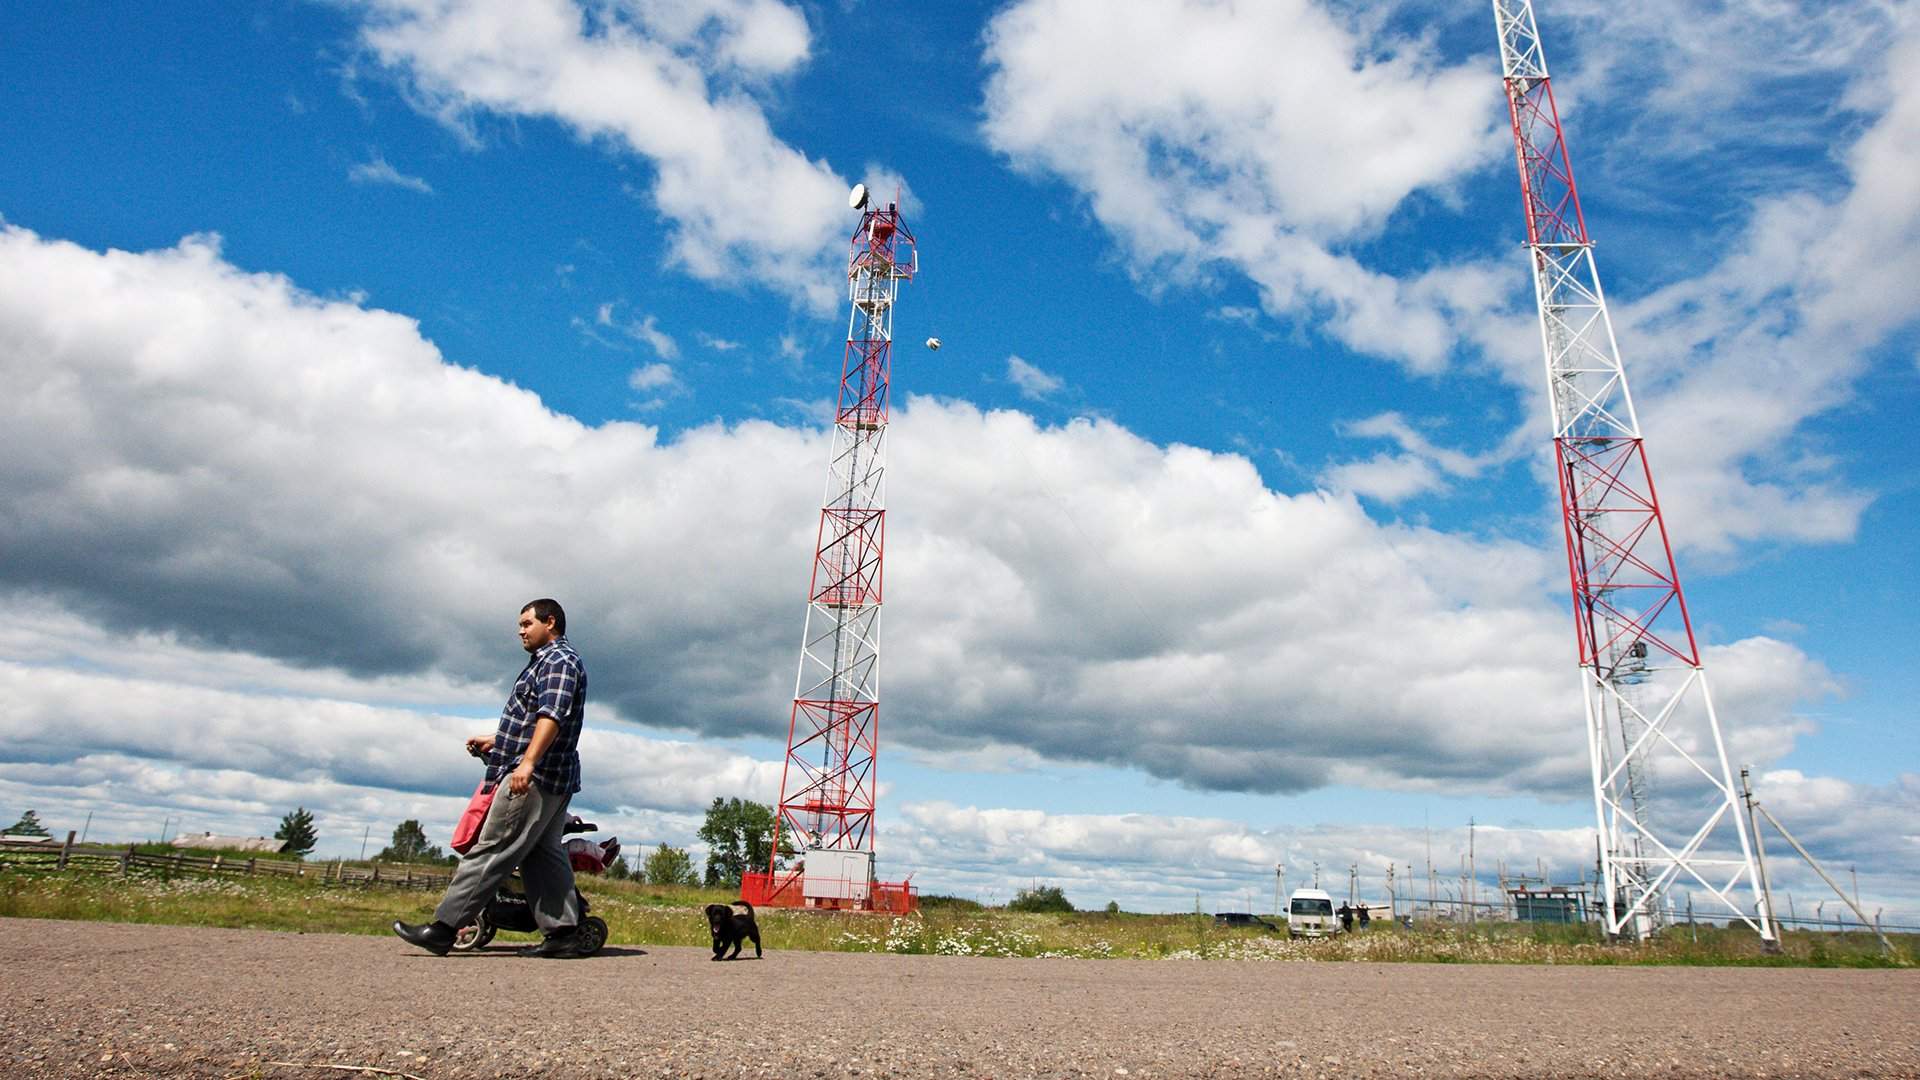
{"x": 100, "y": 858}
{"x": 793, "y": 889}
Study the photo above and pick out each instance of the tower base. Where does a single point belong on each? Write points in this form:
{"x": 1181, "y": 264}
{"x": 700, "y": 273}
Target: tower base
{"x": 788, "y": 889}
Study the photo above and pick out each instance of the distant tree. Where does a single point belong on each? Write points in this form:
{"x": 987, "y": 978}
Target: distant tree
{"x": 1113, "y": 907}
{"x": 298, "y": 832}
{"x": 1040, "y": 898}
{"x": 618, "y": 869}
{"x": 669, "y": 866}
{"x": 28, "y": 825}
{"x": 410, "y": 845}
{"x": 739, "y": 836}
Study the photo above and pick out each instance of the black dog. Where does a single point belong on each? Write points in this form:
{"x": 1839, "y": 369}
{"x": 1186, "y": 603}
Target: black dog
{"x": 731, "y": 928}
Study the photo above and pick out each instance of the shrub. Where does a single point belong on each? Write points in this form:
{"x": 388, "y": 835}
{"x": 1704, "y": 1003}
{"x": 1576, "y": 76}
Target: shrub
{"x": 1040, "y": 898}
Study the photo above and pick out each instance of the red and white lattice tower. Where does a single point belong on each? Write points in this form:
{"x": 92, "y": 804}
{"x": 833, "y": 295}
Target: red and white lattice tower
{"x": 827, "y": 787}
{"x": 1650, "y": 715}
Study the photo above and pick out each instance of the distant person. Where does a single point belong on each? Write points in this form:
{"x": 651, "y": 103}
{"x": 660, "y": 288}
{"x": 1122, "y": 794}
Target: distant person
{"x": 1366, "y": 916}
{"x": 533, "y": 752}
{"x": 1346, "y": 918}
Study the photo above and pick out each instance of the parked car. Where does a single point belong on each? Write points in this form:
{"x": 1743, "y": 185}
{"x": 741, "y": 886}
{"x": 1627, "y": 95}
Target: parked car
{"x": 1310, "y": 914}
{"x": 1241, "y": 918}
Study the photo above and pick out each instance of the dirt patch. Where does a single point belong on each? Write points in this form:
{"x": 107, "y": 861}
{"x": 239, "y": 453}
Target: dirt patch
{"x": 94, "y": 999}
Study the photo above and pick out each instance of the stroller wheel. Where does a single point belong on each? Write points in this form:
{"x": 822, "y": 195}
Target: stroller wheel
{"x": 475, "y": 936}
{"x": 593, "y": 934}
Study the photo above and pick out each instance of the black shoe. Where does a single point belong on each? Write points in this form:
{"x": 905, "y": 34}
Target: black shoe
{"x": 559, "y": 945}
{"x": 435, "y": 937}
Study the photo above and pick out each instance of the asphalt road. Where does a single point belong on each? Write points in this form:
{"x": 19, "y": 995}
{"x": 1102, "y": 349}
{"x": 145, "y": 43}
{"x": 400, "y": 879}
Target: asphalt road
{"x": 92, "y": 999}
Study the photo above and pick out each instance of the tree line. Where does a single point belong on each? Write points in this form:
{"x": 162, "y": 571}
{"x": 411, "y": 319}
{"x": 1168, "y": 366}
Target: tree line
{"x": 738, "y": 834}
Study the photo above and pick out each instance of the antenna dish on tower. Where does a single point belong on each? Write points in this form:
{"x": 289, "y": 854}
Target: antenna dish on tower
{"x": 857, "y": 198}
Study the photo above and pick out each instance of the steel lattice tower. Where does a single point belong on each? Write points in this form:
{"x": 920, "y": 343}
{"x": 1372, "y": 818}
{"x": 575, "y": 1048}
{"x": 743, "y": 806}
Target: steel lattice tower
{"x": 1648, "y": 708}
{"x": 828, "y": 782}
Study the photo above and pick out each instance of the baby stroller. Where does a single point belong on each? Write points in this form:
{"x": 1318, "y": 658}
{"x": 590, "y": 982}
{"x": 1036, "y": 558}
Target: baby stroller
{"x": 509, "y": 910}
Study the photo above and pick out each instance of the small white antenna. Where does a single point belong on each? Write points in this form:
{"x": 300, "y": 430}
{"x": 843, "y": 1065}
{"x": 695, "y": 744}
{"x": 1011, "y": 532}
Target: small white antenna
{"x": 857, "y": 198}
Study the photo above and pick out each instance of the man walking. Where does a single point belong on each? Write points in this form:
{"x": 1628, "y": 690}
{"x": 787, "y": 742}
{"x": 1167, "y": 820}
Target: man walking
{"x": 534, "y": 752}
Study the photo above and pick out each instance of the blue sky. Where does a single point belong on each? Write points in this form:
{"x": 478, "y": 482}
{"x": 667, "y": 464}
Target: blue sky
{"x": 1220, "y": 527}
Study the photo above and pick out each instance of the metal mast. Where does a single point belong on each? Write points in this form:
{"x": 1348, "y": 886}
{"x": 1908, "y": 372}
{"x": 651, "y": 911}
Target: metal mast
{"x": 1648, "y": 708}
{"x": 828, "y": 782}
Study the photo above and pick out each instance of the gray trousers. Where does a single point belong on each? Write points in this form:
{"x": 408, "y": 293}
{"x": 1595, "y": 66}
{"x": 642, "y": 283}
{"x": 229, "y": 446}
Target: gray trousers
{"x": 520, "y": 831}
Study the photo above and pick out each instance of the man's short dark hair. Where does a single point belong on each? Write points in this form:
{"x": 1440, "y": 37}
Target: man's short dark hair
{"x": 548, "y": 611}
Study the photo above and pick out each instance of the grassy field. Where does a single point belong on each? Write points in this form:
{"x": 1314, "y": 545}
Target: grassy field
{"x": 663, "y": 915}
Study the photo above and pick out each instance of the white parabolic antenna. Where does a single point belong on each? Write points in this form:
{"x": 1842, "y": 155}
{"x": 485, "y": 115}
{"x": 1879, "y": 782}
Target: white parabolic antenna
{"x": 933, "y": 343}
{"x": 857, "y": 198}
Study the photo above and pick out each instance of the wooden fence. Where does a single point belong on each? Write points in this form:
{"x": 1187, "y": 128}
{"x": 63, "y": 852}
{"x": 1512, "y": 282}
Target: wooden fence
{"x": 98, "y": 858}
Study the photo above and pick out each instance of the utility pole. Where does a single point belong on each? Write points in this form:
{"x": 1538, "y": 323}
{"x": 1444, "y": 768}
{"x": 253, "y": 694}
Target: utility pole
{"x": 364, "y": 833}
{"x": 1466, "y": 890}
{"x": 1473, "y": 880}
{"x": 85, "y": 827}
{"x": 1279, "y": 885}
{"x": 1767, "y": 944}
{"x": 1430, "y": 882}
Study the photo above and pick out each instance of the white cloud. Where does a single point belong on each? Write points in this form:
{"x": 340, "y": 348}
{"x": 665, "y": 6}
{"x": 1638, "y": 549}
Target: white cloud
{"x": 1033, "y": 383}
{"x": 717, "y": 344}
{"x": 645, "y": 330}
{"x": 1195, "y": 132}
{"x": 1728, "y": 366}
{"x": 362, "y": 467}
{"x": 1199, "y": 133}
{"x": 1666, "y": 65}
{"x": 791, "y": 348}
{"x": 673, "y": 83}
{"x": 255, "y": 755}
{"x": 214, "y": 455}
{"x": 1389, "y": 478}
{"x": 378, "y": 171}
{"x": 287, "y": 523}
{"x": 653, "y": 377}
{"x": 755, "y": 36}
{"x": 662, "y": 345}
{"x": 1163, "y": 863}
{"x": 658, "y": 380}
{"x": 1422, "y": 466}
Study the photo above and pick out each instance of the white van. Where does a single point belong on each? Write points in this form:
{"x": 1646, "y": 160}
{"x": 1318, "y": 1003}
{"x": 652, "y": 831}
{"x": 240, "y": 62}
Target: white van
{"x": 1310, "y": 914}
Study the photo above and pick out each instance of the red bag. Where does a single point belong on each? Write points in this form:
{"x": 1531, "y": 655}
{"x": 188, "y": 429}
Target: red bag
{"x": 467, "y": 829}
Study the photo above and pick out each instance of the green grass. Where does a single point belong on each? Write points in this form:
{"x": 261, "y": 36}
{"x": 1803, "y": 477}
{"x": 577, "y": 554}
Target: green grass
{"x": 670, "y": 915}
{"x": 257, "y": 903}
{"x": 231, "y": 854}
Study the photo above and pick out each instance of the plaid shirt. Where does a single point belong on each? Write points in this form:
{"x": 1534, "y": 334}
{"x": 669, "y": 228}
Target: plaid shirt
{"x": 554, "y": 685}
